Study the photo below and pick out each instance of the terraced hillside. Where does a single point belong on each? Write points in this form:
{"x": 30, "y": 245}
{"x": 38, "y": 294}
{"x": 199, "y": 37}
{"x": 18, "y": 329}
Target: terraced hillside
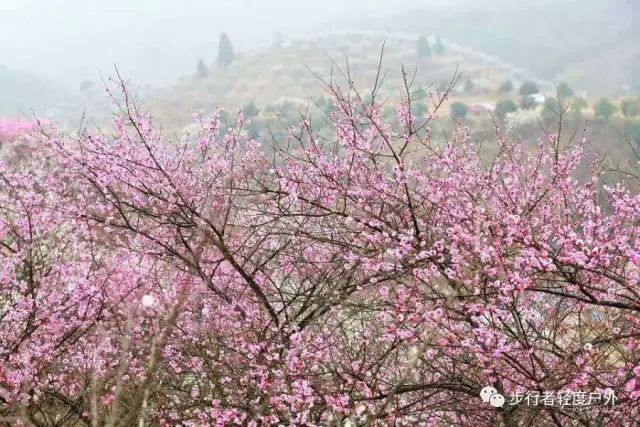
{"x": 291, "y": 74}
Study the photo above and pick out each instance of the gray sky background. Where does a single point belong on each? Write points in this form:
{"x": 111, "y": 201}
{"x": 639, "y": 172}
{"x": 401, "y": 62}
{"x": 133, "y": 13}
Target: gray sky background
{"x": 155, "y": 40}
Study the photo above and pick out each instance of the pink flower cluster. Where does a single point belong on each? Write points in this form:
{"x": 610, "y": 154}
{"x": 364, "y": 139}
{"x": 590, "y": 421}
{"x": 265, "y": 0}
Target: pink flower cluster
{"x": 13, "y": 128}
{"x": 375, "y": 277}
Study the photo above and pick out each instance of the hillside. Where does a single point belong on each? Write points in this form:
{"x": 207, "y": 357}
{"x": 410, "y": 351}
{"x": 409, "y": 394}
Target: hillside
{"x": 22, "y": 92}
{"x": 292, "y": 72}
{"x": 559, "y": 39}
{"x": 608, "y": 70}
{"x": 273, "y": 86}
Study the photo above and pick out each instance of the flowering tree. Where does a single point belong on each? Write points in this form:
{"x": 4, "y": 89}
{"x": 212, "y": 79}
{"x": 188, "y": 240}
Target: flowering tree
{"x": 371, "y": 276}
{"x": 12, "y": 128}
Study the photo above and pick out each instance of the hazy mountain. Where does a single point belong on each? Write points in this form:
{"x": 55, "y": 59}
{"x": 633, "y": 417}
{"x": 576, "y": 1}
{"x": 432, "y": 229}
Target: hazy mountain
{"x": 21, "y": 92}
{"x": 595, "y": 44}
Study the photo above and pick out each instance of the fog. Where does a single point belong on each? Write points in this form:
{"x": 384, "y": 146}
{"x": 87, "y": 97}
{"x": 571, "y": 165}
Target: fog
{"x": 48, "y": 47}
{"x": 155, "y": 40}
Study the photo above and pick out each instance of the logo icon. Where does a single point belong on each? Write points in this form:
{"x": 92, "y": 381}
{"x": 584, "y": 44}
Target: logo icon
{"x": 490, "y": 395}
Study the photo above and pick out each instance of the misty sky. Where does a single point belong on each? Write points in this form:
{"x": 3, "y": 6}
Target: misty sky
{"x": 154, "y": 40}
{"x": 157, "y": 41}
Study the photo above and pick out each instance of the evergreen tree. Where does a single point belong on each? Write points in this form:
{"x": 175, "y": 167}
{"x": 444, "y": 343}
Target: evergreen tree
{"x": 225, "y": 51}
{"x": 201, "y": 69}
{"x": 564, "y": 91}
{"x": 506, "y": 86}
{"x": 505, "y": 107}
{"x": 605, "y": 109}
{"x": 528, "y": 88}
{"x": 424, "y": 50}
{"x": 458, "y": 111}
